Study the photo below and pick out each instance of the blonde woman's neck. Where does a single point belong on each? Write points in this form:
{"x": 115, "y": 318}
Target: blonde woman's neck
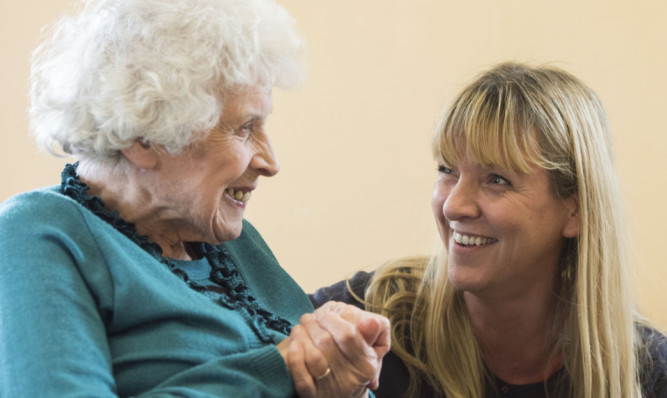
{"x": 516, "y": 336}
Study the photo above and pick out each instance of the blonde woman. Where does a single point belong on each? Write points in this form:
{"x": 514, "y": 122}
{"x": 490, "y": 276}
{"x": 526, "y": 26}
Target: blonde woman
{"x": 529, "y": 297}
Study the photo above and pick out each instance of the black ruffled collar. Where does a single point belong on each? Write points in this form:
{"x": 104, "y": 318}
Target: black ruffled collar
{"x": 224, "y": 272}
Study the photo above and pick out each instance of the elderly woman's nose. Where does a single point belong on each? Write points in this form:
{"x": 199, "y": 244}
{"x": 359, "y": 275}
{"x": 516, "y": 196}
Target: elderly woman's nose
{"x": 265, "y": 159}
{"x": 461, "y": 202}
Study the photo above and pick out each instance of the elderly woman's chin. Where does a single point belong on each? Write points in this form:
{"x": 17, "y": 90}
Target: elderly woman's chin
{"x": 227, "y": 232}
{"x": 227, "y": 221}
{"x": 224, "y": 228}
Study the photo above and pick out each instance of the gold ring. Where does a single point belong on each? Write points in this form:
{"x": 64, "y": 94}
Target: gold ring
{"x": 323, "y": 375}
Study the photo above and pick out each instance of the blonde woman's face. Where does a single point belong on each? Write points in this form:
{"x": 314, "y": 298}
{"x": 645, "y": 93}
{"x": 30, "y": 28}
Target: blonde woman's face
{"x": 503, "y": 231}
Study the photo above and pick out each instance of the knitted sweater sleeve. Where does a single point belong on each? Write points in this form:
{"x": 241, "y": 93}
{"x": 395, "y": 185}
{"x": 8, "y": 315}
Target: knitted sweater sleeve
{"x": 57, "y": 316}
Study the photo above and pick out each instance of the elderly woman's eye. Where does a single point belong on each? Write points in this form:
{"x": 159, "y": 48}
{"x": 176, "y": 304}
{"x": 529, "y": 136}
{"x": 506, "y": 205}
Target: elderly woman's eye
{"x": 246, "y": 129}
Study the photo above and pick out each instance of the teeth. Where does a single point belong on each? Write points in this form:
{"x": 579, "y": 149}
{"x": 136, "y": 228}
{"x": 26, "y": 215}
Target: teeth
{"x": 471, "y": 240}
{"x": 238, "y": 195}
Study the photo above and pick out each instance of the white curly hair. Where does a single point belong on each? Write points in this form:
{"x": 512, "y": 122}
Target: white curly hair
{"x": 156, "y": 70}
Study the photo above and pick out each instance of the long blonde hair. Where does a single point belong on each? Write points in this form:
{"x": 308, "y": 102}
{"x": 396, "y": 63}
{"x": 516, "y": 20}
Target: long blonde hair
{"x": 513, "y": 116}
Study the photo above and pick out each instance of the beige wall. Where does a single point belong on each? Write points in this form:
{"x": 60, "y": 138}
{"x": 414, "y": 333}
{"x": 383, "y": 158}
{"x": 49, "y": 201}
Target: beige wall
{"x": 356, "y": 175}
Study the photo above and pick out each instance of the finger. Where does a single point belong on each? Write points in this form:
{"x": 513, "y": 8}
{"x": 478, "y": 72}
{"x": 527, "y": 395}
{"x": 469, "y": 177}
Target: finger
{"x": 315, "y": 360}
{"x": 350, "y": 342}
{"x": 320, "y": 338}
{"x": 375, "y": 382}
{"x": 337, "y": 306}
{"x": 370, "y": 329}
{"x": 346, "y": 376}
{"x": 357, "y": 316}
{"x": 343, "y": 370}
{"x": 303, "y": 380}
{"x": 348, "y": 312}
{"x": 377, "y": 332}
{"x": 374, "y": 328}
{"x": 328, "y": 306}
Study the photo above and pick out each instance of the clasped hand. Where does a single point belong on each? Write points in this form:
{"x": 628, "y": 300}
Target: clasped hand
{"x": 336, "y": 352}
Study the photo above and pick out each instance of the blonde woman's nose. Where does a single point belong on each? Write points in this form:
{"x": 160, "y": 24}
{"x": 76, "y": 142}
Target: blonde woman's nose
{"x": 461, "y": 202}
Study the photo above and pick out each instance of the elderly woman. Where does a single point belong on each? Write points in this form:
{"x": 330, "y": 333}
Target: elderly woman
{"x": 529, "y": 297}
{"x": 138, "y": 275}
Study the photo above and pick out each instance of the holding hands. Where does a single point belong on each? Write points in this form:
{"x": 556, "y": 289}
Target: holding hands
{"x": 337, "y": 351}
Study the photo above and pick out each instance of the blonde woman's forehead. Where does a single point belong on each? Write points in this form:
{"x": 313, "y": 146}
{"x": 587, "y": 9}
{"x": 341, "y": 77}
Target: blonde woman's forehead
{"x": 495, "y": 149}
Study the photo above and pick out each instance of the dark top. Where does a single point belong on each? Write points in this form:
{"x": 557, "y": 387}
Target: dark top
{"x": 394, "y": 378}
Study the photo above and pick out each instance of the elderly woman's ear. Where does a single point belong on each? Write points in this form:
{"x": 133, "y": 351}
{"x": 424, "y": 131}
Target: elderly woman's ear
{"x": 141, "y": 154}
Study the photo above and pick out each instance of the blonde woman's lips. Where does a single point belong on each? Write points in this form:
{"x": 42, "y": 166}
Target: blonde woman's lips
{"x": 471, "y": 240}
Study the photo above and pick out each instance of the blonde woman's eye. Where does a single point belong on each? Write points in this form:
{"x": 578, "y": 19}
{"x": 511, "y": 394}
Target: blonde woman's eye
{"x": 444, "y": 169}
{"x": 499, "y": 180}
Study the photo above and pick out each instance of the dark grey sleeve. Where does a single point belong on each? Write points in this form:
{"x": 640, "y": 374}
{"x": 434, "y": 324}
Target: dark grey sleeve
{"x": 340, "y": 292}
{"x": 654, "y": 368}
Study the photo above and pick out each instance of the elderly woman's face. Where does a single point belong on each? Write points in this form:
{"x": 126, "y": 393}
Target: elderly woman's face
{"x": 503, "y": 231}
{"x": 207, "y": 186}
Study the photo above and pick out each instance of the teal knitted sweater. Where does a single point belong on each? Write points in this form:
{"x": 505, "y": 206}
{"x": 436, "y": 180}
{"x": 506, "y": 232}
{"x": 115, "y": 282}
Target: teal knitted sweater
{"x": 85, "y": 311}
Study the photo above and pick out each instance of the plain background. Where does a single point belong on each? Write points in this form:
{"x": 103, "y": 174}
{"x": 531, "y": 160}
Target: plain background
{"x": 357, "y": 173}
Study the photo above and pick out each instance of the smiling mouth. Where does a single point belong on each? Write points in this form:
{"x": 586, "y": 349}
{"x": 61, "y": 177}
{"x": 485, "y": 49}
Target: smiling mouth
{"x": 238, "y": 195}
{"x": 467, "y": 240}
